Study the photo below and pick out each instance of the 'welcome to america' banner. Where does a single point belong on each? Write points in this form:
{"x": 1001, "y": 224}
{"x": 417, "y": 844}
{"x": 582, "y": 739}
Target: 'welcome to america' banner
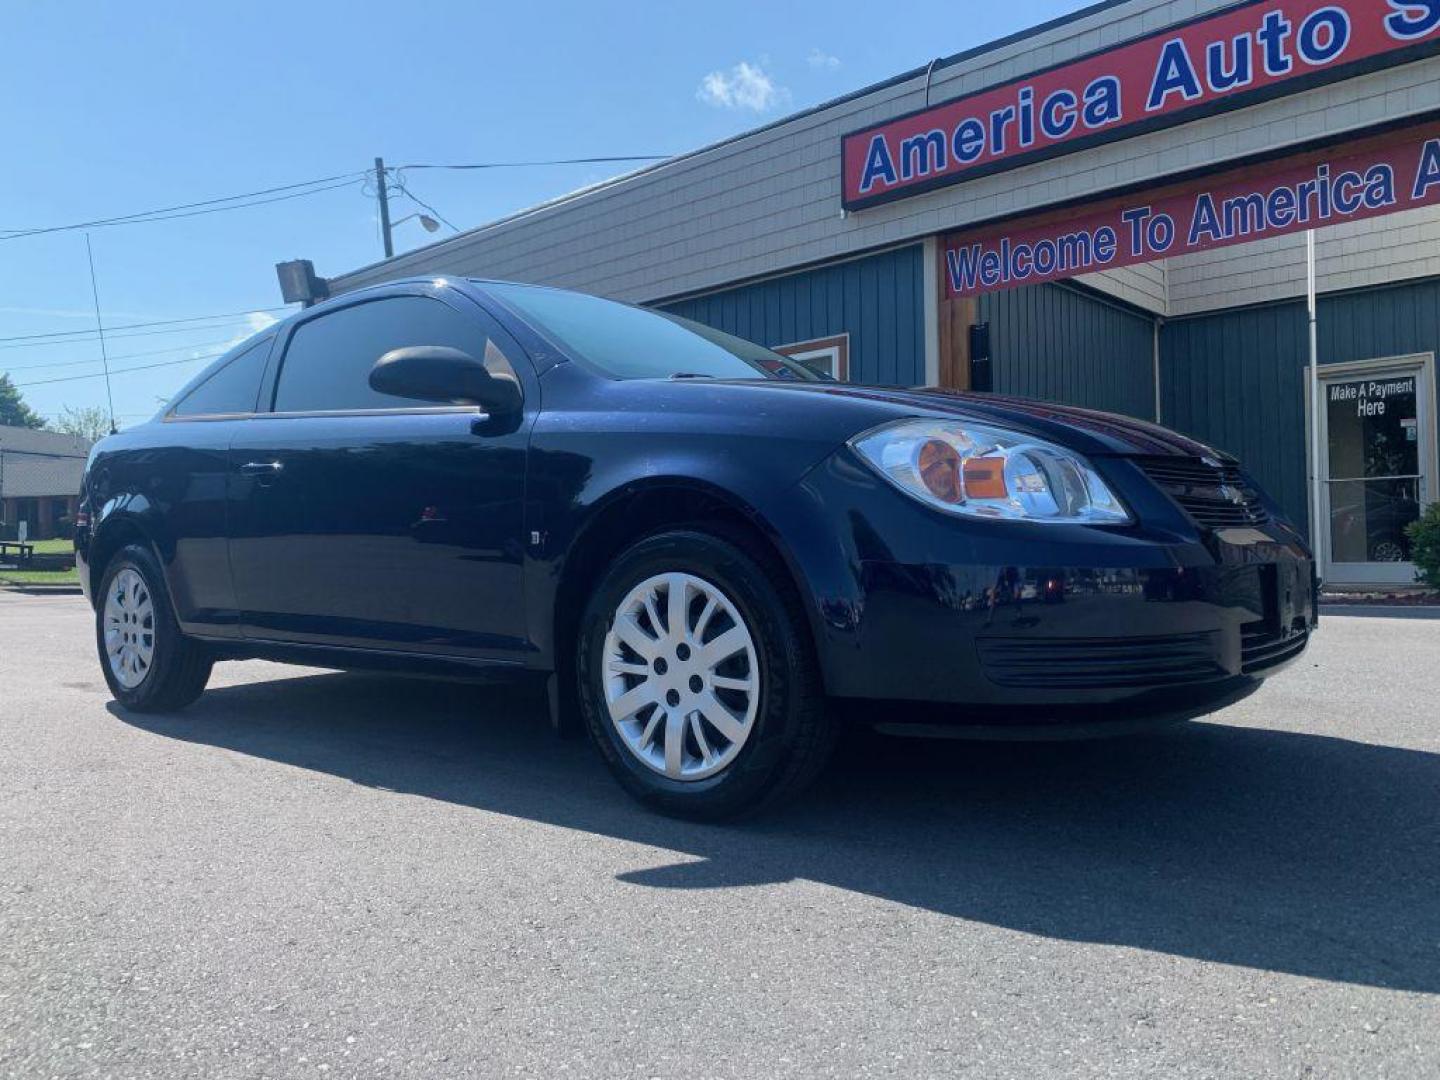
{"x": 1255, "y": 50}
{"x": 1383, "y": 174}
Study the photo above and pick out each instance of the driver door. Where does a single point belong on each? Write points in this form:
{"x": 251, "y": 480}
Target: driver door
{"x": 362, "y": 520}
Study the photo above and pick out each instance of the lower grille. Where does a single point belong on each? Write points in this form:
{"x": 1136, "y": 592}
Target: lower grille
{"x": 1215, "y": 496}
{"x": 1263, "y": 646}
{"x": 1098, "y": 663}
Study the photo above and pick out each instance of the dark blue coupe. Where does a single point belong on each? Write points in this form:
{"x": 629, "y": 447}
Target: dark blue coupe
{"x": 714, "y": 554}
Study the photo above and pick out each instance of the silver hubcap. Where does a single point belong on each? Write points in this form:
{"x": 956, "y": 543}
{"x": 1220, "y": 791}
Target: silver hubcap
{"x": 129, "y": 628}
{"x": 681, "y": 680}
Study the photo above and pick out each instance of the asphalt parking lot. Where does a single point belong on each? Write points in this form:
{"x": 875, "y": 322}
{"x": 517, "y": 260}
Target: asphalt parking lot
{"x": 315, "y": 874}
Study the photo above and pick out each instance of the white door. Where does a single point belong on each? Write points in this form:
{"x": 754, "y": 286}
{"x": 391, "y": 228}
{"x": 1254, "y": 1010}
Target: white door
{"x": 1379, "y": 438}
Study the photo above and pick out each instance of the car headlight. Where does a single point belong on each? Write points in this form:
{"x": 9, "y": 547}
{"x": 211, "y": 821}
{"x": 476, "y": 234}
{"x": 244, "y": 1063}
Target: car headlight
{"x": 979, "y": 471}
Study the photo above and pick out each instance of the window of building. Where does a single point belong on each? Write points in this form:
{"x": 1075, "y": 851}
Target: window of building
{"x": 231, "y": 389}
{"x": 827, "y": 355}
{"x": 327, "y": 365}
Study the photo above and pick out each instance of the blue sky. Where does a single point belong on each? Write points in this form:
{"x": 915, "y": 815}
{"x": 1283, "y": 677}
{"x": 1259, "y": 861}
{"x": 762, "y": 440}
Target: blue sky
{"x": 115, "y": 108}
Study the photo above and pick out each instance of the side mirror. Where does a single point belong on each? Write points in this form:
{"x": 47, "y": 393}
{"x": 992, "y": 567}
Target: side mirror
{"x": 440, "y": 373}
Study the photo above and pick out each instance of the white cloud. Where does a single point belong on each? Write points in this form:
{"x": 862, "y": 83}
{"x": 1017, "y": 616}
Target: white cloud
{"x": 744, "y": 86}
{"x": 822, "y": 61}
{"x": 259, "y": 320}
{"x": 255, "y": 322}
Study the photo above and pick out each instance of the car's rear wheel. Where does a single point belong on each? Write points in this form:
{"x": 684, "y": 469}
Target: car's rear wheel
{"x": 697, "y": 678}
{"x": 149, "y": 664}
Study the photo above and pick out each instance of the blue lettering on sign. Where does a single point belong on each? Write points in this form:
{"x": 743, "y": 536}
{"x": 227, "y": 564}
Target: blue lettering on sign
{"x": 1379, "y": 187}
{"x": 963, "y": 265}
{"x": 1274, "y": 29}
{"x": 1243, "y": 215}
{"x": 1221, "y": 76}
{"x": 1022, "y": 262}
{"x": 1174, "y": 74}
{"x": 1135, "y": 218}
{"x": 1280, "y": 208}
{"x": 1105, "y": 244}
{"x": 1027, "y": 115}
{"x": 1057, "y": 115}
{"x": 1428, "y": 174}
{"x": 1348, "y": 193}
{"x": 1316, "y": 48}
{"x": 1045, "y": 256}
{"x": 990, "y": 269}
{"x": 878, "y": 165}
{"x": 968, "y": 142}
{"x": 920, "y": 155}
{"x": 1204, "y": 222}
{"x": 1412, "y": 19}
{"x": 1102, "y": 101}
{"x": 1212, "y": 219}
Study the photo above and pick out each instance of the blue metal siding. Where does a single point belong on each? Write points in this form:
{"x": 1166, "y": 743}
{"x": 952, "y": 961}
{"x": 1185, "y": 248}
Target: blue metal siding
{"x": 1236, "y": 379}
{"x": 878, "y": 300}
{"x": 1059, "y": 343}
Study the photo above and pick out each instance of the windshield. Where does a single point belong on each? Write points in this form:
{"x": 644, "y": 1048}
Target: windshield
{"x": 627, "y": 342}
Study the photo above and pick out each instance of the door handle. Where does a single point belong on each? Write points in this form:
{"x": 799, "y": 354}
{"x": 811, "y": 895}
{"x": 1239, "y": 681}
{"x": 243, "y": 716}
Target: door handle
{"x": 264, "y": 472}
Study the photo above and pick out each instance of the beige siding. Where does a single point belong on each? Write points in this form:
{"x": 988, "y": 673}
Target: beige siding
{"x": 1142, "y": 285}
{"x": 770, "y": 201}
{"x": 1348, "y": 256}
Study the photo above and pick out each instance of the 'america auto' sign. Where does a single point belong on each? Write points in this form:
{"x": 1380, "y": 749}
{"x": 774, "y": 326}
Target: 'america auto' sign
{"x": 1247, "y": 53}
{"x": 1381, "y": 174}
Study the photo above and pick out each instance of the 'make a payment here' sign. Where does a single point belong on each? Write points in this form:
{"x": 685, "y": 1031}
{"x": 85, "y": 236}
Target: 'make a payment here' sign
{"x": 1382, "y": 174}
{"x": 1244, "y": 54}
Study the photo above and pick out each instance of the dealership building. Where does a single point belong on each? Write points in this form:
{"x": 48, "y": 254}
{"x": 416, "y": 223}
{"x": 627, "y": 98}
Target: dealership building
{"x": 1120, "y": 209}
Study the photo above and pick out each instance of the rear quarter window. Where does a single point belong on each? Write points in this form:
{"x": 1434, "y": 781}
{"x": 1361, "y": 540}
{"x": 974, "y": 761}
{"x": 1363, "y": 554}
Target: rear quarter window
{"x": 231, "y": 388}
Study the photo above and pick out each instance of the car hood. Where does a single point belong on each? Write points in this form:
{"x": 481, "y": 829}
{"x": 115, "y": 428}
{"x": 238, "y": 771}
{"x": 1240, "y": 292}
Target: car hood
{"x": 1089, "y": 431}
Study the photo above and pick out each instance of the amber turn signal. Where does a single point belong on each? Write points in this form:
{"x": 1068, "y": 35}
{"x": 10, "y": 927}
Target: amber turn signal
{"x": 985, "y": 478}
{"x": 939, "y": 464}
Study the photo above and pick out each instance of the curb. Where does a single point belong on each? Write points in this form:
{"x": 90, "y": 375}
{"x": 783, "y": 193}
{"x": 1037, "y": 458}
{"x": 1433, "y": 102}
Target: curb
{"x": 41, "y": 590}
{"x": 1382, "y": 611}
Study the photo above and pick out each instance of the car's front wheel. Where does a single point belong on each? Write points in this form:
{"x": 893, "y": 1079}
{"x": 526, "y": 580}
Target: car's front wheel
{"x": 148, "y": 663}
{"x": 698, "y": 680}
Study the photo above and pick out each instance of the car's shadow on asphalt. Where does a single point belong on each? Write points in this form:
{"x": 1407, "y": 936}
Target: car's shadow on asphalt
{"x": 1297, "y": 853}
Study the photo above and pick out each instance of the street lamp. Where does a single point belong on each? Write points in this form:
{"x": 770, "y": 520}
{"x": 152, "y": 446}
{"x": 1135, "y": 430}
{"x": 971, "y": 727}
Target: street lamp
{"x": 426, "y": 221}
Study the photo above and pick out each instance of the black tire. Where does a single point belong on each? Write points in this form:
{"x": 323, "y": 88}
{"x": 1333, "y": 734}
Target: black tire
{"x": 179, "y": 667}
{"x": 791, "y": 734}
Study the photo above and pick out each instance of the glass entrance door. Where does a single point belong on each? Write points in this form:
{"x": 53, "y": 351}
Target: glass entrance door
{"x": 1378, "y": 454}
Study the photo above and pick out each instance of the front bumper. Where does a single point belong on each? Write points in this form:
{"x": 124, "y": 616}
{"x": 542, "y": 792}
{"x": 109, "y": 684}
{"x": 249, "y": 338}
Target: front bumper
{"x": 1030, "y": 624}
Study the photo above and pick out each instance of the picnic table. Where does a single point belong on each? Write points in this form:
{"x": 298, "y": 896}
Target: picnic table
{"x": 24, "y": 551}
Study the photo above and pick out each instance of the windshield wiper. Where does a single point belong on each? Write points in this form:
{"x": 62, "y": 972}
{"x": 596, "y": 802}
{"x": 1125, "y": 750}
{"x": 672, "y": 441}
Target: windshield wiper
{"x": 690, "y": 375}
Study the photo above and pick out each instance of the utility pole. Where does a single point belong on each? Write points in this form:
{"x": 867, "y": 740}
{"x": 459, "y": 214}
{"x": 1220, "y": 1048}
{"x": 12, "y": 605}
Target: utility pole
{"x": 384, "y": 198}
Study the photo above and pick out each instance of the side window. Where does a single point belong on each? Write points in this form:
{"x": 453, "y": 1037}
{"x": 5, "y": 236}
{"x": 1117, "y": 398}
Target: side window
{"x": 829, "y": 355}
{"x": 231, "y": 388}
{"x": 327, "y": 366}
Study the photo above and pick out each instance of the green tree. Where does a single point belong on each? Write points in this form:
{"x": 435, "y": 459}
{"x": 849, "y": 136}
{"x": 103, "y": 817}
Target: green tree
{"x": 89, "y": 422}
{"x": 1425, "y": 546}
{"x": 13, "y": 410}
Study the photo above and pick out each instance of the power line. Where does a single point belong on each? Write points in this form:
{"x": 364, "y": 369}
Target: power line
{"x": 119, "y": 371}
{"x": 405, "y": 190}
{"x": 283, "y": 192}
{"x": 531, "y": 164}
{"x": 156, "y": 322}
{"x": 125, "y": 356}
{"x": 210, "y": 206}
{"x": 218, "y": 326}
